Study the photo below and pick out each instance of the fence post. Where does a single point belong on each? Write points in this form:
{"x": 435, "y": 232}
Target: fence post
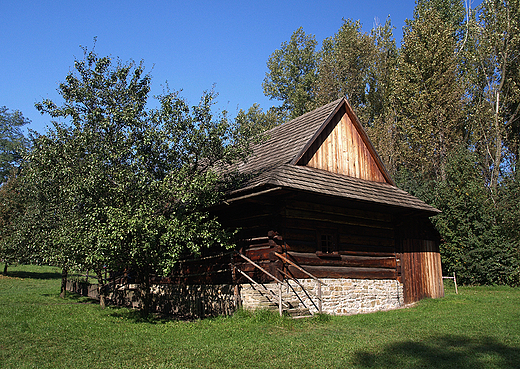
{"x": 455, "y": 281}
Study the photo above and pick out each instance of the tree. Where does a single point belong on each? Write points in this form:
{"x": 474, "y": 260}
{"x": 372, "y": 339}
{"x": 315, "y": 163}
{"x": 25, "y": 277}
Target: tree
{"x": 256, "y": 121}
{"x": 134, "y": 184}
{"x": 344, "y": 64}
{"x": 11, "y": 208}
{"x": 292, "y": 74}
{"x": 380, "y": 112}
{"x": 12, "y": 140}
{"x": 428, "y": 95}
{"x": 494, "y": 81}
{"x": 475, "y": 246}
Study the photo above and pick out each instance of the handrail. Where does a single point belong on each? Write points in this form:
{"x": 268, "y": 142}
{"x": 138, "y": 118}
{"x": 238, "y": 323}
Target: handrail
{"x": 259, "y": 284}
{"x": 299, "y": 268}
{"x": 259, "y": 267}
{"x": 303, "y": 289}
{"x": 255, "y": 282}
{"x": 299, "y": 284}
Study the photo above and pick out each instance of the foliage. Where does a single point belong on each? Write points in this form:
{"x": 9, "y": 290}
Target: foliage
{"x": 12, "y": 140}
{"x": 475, "y": 246}
{"x": 478, "y": 328}
{"x": 13, "y": 249}
{"x": 493, "y": 83}
{"x": 292, "y": 73}
{"x": 345, "y": 61}
{"x": 123, "y": 187}
{"x": 428, "y": 95}
{"x": 255, "y": 121}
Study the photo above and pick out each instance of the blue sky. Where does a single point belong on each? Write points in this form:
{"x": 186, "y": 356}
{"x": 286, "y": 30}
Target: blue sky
{"x": 190, "y": 44}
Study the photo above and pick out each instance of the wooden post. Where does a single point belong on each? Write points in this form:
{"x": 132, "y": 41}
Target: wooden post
{"x": 320, "y": 306}
{"x": 236, "y": 291}
{"x": 455, "y": 281}
{"x": 280, "y": 299}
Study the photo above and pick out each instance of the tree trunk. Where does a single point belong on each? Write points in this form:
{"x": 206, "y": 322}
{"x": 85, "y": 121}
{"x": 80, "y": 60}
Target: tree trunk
{"x": 145, "y": 294}
{"x": 64, "y": 275}
{"x": 497, "y": 159}
{"x": 101, "y": 289}
{"x": 5, "y": 268}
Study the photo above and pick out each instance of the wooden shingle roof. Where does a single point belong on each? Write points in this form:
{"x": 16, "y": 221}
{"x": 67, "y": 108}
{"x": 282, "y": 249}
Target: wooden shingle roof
{"x": 274, "y": 164}
{"x": 285, "y": 142}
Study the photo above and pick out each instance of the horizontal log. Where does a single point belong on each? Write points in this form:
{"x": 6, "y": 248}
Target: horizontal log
{"x": 345, "y": 249}
{"x": 342, "y": 247}
{"x": 255, "y": 254}
{"x": 337, "y": 210}
{"x": 344, "y": 272}
{"x": 257, "y": 274}
{"x": 335, "y": 219}
{"x": 366, "y": 253}
{"x": 247, "y": 267}
{"x": 366, "y": 240}
{"x": 304, "y": 259}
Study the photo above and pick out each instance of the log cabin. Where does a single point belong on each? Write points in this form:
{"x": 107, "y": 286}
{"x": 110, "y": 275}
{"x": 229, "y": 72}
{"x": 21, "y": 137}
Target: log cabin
{"x": 322, "y": 227}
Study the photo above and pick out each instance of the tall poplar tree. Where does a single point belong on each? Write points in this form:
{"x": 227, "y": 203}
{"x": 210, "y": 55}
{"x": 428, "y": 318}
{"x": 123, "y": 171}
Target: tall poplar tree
{"x": 344, "y": 65}
{"x": 494, "y": 85}
{"x": 428, "y": 95}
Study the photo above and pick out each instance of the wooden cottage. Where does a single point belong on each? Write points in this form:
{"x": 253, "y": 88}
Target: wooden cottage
{"x": 322, "y": 226}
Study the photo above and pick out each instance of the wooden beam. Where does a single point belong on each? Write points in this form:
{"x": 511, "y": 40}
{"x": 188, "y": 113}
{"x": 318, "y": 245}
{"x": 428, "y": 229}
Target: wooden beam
{"x": 228, "y": 201}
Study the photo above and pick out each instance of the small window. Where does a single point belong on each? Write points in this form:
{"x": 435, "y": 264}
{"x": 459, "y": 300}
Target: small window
{"x": 327, "y": 243}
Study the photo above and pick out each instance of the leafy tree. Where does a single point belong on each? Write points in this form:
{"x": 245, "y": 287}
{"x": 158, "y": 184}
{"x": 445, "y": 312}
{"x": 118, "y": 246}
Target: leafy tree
{"x": 256, "y": 121}
{"x": 345, "y": 61}
{"x": 452, "y": 13}
{"x": 292, "y": 74}
{"x": 12, "y": 140}
{"x": 494, "y": 81}
{"x": 428, "y": 95}
{"x": 55, "y": 218}
{"x": 11, "y": 208}
{"x": 380, "y": 112}
{"x": 133, "y": 185}
{"x": 475, "y": 246}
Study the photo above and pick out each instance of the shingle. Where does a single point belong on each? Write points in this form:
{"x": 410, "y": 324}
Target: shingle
{"x": 270, "y": 166}
{"x": 284, "y": 142}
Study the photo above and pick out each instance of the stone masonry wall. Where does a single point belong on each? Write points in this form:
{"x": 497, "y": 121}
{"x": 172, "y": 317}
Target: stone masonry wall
{"x": 191, "y": 301}
{"x": 340, "y": 296}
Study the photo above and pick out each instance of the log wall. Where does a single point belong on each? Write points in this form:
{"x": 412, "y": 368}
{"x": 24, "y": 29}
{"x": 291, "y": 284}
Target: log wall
{"x": 364, "y": 241}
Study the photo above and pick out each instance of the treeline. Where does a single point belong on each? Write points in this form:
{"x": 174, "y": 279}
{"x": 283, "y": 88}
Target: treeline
{"x": 443, "y": 111}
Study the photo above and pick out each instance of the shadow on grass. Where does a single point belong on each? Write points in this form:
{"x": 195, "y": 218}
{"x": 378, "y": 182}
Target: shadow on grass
{"x": 443, "y": 352}
{"x": 136, "y": 316}
{"x": 33, "y": 275}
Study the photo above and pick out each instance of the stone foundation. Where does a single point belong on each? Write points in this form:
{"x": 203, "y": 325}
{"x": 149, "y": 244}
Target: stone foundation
{"x": 189, "y": 302}
{"x": 340, "y": 296}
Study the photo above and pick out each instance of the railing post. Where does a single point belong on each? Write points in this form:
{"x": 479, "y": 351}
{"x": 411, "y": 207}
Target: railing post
{"x": 280, "y": 299}
{"x": 320, "y": 306}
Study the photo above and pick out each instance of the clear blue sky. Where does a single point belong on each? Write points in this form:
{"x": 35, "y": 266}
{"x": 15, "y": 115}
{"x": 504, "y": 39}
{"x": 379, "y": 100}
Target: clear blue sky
{"x": 190, "y": 44}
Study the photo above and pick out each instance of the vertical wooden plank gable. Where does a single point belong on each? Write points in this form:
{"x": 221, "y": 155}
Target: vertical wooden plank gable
{"x": 340, "y": 148}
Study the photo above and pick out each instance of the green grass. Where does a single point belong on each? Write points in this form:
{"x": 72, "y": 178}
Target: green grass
{"x": 479, "y": 328}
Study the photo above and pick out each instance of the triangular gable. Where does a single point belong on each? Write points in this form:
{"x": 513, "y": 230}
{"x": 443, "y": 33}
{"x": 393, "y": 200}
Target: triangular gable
{"x": 342, "y": 146}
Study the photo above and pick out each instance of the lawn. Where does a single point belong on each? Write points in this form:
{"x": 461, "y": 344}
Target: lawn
{"x": 478, "y": 328}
